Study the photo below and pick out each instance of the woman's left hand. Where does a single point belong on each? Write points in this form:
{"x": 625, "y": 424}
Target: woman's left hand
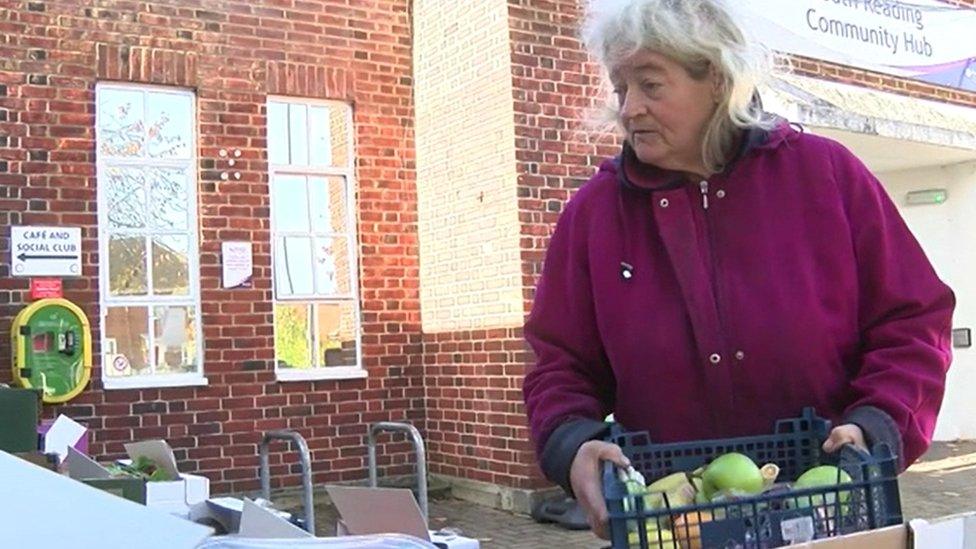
{"x": 848, "y": 433}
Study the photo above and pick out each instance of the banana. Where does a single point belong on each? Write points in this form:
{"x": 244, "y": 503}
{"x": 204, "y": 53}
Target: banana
{"x": 674, "y": 490}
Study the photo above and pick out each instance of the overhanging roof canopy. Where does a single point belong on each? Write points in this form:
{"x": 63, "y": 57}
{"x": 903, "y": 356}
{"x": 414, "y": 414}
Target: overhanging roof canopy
{"x": 887, "y": 131}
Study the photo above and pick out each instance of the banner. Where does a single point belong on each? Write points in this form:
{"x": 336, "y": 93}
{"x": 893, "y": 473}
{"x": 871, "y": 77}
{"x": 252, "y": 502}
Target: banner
{"x": 918, "y": 39}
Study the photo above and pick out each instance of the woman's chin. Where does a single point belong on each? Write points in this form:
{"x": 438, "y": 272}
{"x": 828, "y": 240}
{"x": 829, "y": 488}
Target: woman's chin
{"x": 650, "y": 155}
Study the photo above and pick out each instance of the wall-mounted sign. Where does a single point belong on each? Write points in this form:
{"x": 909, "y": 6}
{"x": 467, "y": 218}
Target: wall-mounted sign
{"x": 46, "y": 288}
{"x": 45, "y": 251}
{"x": 238, "y": 264}
{"x": 923, "y": 40}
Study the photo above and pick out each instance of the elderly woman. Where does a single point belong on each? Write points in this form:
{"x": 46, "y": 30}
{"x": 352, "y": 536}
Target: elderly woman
{"x": 725, "y": 270}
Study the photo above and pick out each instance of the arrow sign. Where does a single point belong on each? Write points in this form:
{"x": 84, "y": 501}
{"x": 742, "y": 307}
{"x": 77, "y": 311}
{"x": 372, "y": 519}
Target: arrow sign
{"x": 25, "y": 257}
{"x": 45, "y": 251}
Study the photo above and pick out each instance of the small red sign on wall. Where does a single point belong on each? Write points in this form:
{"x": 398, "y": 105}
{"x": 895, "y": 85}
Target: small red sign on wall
{"x": 42, "y": 288}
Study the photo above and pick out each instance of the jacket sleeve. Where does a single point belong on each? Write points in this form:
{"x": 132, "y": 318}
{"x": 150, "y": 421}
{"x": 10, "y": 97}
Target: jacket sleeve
{"x": 569, "y": 389}
{"x": 904, "y": 316}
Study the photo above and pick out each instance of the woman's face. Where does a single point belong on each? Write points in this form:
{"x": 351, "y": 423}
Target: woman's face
{"x": 664, "y": 110}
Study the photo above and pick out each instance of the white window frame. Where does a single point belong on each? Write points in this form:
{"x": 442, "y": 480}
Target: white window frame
{"x": 349, "y": 173}
{"x": 149, "y": 301}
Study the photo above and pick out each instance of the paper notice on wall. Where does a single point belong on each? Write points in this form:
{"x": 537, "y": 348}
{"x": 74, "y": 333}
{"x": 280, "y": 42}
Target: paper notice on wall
{"x": 238, "y": 264}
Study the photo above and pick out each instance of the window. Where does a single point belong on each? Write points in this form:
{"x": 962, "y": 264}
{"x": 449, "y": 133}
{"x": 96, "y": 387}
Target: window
{"x": 147, "y": 236}
{"x": 316, "y": 310}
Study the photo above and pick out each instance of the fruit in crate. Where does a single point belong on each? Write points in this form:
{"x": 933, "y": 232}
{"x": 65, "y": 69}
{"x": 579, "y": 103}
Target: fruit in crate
{"x": 770, "y": 472}
{"x": 674, "y": 490}
{"x": 634, "y": 482}
{"x": 732, "y": 473}
{"x": 656, "y": 539}
{"x": 687, "y": 528}
{"x": 699, "y": 485}
{"x": 821, "y": 476}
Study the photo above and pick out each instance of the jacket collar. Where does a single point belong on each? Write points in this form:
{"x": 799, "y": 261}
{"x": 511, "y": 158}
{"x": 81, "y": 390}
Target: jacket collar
{"x": 636, "y": 175}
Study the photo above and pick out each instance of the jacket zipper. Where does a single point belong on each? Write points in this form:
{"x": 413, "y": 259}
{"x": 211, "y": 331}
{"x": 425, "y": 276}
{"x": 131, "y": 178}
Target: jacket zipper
{"x": 703, "y": 186}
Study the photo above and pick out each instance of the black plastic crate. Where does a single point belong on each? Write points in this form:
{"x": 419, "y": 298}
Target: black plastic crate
{"x": 773, "y": 519}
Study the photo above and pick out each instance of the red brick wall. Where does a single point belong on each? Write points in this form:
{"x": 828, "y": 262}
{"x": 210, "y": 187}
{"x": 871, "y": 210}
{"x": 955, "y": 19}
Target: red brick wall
{"x": 475, "y": 418}
{"x": 233, "y": 54}
{"x": 555, "y": 90}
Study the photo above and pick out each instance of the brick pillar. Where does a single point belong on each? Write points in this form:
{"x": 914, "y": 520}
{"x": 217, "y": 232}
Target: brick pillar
{"x": 471, "y": 302}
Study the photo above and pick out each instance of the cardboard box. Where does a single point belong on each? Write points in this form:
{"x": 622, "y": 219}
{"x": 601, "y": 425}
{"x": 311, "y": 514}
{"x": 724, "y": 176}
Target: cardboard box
{"x": 81, "y": 440}
{"x": 267, "y": 528}
{"x": 171, "y": 496}
{"x": 47, "y": 461}
{"x": 366, "y": 511}
{"x": 891, "y": 537}
{"x": 42, "y": 508}
{"x": 951, "y": 532}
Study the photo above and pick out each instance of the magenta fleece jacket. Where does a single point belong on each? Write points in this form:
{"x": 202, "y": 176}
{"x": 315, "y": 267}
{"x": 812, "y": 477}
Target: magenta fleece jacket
{"x": 712, "y": 309}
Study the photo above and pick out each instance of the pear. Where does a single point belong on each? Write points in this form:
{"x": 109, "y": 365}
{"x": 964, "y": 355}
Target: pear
{"x": 732, "y": 473}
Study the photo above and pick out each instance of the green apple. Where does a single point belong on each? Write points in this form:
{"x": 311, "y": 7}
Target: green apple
{"x": 823, "y": 475}
{"x": 732, "y": 472}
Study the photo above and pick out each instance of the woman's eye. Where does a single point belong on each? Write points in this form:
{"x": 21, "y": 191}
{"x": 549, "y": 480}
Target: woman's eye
{"x": 650, "y": 86}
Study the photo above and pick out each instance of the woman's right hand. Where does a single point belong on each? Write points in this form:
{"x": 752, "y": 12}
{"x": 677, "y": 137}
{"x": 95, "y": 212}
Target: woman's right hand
{"x": 586, "y": 478}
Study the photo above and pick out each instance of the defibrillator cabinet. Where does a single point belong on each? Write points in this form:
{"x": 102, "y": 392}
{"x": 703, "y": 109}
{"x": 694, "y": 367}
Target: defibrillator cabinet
{"x": 52, "y": 349}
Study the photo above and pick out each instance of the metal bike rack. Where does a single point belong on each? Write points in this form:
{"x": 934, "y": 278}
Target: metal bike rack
{"x": 306, "y": 460}
{"x": 418, "y": 446}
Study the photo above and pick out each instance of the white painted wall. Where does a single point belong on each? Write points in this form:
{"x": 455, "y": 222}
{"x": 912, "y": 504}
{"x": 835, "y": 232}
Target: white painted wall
{"x": 947, "y": 233}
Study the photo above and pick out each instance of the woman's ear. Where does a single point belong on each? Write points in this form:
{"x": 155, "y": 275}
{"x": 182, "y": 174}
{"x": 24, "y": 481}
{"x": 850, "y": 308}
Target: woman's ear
{"x": 718, "y": 84}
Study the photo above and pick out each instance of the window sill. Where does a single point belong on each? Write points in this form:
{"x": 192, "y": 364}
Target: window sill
{"x": 329, "y": 372}
{"x": 153, "y": 382}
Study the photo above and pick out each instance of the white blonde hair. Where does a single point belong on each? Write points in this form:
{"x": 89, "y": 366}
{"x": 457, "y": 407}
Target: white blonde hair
{"x": 700, "y": 35}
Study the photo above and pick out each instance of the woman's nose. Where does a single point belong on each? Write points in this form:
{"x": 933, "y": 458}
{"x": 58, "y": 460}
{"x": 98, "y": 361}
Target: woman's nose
{"x": 630, "y": 105}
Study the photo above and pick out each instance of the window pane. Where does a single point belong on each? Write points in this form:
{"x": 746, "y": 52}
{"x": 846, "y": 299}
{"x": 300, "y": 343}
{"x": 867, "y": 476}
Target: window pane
{"x": 298, "y": 134}
{"x": 126, "y": 341}
{"x": 169, "y": 198}
{"x": 126, "y": 192}
{"x": 120, "y": 122}
{"x": 277, "y": 133}
{"x": 339, "y": 136}
{"x": 328, "y": 201}
{"x": 171, "y": 265}
{"x": 332, "y": 266}
{"x": 293, "y": 266}
{"x": 127, "y": 265}
{"x": 169, "y": 122}
{"x": 292, "y": 335}
{"x": 290, "y": 202}
{"x": 175, "y": 340}
{"x": 336, "y": 333}
{"x": 319, "y": 132}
